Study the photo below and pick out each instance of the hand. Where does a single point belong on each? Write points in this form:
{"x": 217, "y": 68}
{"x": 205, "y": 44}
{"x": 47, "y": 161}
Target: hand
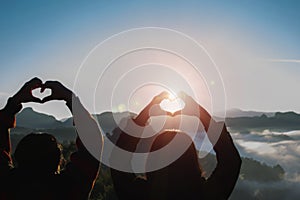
{"x": 24, "y": 95}
{"x": 159, "y": 98}
{"x": 59, "y": 91}
{"x": 152, "y": 109}
{"x": 192, "y": 108}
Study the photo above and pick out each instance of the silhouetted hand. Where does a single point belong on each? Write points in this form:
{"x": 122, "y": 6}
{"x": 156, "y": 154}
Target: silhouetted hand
{"x": 24, "y": 95}
{"x": 152, "y": 109}
{"x": 59, "y": 91}
{"x": 159, "y": 98}
{"x": 192, "y": 108}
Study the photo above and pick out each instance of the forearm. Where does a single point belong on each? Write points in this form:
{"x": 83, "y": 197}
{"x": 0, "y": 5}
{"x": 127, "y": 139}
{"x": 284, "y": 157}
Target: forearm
{"x": 87, "y": 157}
{"x": 84, "y": 163}
{"x": 228, "y": 166}
{"x": 127, "y": 141}
{"x": 7, "y": 121}
{"x": 5, "y": 140}
{"x": 225, "y": 149}
{"x": 143, "y": 116}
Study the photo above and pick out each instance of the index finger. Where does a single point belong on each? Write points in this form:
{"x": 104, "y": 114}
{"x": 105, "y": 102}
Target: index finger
{"x": 161, "y": 96}
{"x": 47, "y": 85}
{"x": 34, "y": 83}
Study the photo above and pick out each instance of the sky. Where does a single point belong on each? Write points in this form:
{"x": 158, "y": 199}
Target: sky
{"x": 255, "y": 44}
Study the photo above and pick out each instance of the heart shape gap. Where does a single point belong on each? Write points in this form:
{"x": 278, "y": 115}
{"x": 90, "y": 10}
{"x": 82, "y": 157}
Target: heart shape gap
{"x": 38, "y": 94}
{"x": 173, "y": 105}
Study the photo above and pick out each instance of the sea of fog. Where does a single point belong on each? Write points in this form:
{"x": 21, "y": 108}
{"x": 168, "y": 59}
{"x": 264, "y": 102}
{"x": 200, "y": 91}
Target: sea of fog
{"x": 272, "y": 148}
{"x": 268, "y": 147}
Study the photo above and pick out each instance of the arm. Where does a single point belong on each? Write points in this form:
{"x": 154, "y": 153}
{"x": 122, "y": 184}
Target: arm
{"x": 8, "y": 120}
{"x": 128, "y": 185}
{"x": 83, "y": 167}
{"x": 222, "y": 181}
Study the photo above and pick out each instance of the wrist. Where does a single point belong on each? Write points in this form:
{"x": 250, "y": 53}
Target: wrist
{"x": 14, "y": 100}
{"x": 7, "y": 114}
{"x": 68, "y": 98}
{"x": 13, "y": 106}
{"x": 141, "y": 120}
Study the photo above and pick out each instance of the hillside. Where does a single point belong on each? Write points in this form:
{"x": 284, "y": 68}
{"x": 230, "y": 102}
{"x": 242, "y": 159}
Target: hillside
{"x": 29, "y": 118}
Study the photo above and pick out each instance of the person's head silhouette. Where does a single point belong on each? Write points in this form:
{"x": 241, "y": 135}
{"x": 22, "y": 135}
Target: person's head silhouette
{"x": 186, "y": 167}
{"x": 40, "y": 152}
{"x": 183, "y": 178}
{"x": 38, "y": 156}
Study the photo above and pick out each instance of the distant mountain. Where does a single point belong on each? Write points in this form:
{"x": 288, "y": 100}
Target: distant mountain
{"x": 247, "y": 120}
{"x": 29, "y": 118}
{"x": 68, "y": 122}
{"x": 277, "y": 121}
{"x": 286, "y": 121}
{"x": 235, "y": 112}
{"x": 107, "y": 120}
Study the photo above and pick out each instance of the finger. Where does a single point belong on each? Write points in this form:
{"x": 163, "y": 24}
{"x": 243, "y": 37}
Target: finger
{"x": 177, "y": 113}
{"x": 36, "y": 100}
{"x": 47, "y": 85}
{"x": 170, "y": 114}
{"x": 164, "y": 94}
{"x": 43, "y": 88}
{"x": 48, "y": 98}
{"x": 35, "y": 83}
{"x": 160, "y": 97}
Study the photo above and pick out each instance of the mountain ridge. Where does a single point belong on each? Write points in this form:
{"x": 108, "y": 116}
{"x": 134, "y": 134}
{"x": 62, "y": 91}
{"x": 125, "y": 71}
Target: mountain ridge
{"x": 29, "y": 118}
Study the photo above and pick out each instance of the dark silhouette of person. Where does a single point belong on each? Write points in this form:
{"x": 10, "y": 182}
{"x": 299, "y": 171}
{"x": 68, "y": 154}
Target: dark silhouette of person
{"x": 37, "y": 174}
{"x": 183, "y": 178}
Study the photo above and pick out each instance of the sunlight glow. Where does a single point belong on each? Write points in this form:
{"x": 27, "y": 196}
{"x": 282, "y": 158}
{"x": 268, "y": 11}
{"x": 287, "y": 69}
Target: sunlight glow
{"x": 172, "y": 104}
{"x": 171, "y": 96}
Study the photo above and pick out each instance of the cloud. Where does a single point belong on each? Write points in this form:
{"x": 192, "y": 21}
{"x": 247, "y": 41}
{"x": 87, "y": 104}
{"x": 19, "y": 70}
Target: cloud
{"x": 285, "y": 148}
{"x": 266, "y": 190}
{"x": 284, "y": 60}
{"x": 272, "y": 148}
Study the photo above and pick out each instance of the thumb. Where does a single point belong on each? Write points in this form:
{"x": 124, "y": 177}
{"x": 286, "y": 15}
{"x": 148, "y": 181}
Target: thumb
{"x": 48, "y": 98}
{"x": 36, "y": 100}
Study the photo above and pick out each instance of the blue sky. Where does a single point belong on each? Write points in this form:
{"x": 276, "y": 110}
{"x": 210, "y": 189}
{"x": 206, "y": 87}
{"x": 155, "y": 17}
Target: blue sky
{"x": 256, "y": 44}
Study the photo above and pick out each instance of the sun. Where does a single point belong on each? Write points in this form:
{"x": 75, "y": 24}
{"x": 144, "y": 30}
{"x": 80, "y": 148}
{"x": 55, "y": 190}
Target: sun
{"x": 171, "y": 96}
{"x": 172, "y": 103}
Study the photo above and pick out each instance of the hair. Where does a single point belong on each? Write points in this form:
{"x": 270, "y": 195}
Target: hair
{"x": 183, "y": 172}
{"x": 40, "y": 151}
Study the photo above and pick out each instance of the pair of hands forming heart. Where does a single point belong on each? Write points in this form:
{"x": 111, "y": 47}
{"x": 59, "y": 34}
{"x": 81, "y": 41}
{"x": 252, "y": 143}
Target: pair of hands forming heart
{"x": 58, "y": 92}
{"x": 191, "y": 107}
